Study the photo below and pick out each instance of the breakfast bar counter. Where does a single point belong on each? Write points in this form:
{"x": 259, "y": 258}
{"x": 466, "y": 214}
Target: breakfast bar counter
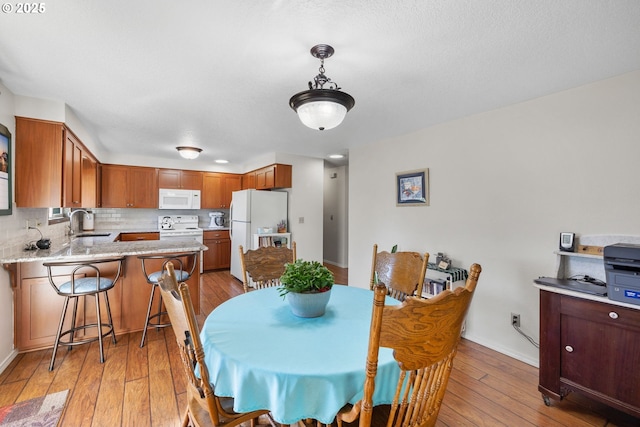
{"x": 37, "y": 307}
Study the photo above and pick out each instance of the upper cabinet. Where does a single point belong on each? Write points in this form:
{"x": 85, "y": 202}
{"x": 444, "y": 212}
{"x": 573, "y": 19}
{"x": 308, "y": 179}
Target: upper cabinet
{"x": 129, "y": 187}
{"x": 268, "y": 177}
{"x": 179, "y": 179}
{"x": 217, "y": 189}
{"x": 51, "y": 170}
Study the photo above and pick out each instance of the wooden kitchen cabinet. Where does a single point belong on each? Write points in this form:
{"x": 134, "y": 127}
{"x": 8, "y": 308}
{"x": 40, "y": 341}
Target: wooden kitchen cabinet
{"x": 249, "y": 181}
{"x": 217, "y": 189}
{"x": 132, "y": 237}
{"x": 179, "y": 179}
{"x": 591, "y": 347}
{"x": 50, "y": 166}
{"x": 129, "y": 187}
{"x": 38, "y": 307}
{"x": 269, "y": 177}
{"x": 219, "y": 254}
{"x": 89, "y": 190}
{"x": 72, "y": 172}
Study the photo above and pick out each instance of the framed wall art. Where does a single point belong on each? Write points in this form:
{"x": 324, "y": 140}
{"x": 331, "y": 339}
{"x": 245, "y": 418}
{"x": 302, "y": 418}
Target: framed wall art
{"x": 412, "y": 188}
{"x": 5, "y": 171}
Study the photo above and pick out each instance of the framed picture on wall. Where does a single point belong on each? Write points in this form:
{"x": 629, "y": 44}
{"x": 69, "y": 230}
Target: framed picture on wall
{"x": 412, "y": 188}
{"x": 5, "y": 171}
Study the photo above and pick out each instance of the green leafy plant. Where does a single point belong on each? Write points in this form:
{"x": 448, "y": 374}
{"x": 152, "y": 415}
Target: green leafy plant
{"x": 305, "y": 277}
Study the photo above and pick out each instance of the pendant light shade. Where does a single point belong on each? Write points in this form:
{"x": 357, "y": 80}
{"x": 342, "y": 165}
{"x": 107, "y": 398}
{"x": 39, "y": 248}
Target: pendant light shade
{"x": 189, "y": 152}
{"x": 320, "y": 108}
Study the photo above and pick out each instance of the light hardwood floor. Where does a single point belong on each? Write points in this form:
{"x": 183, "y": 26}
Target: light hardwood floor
{"x": 145, "y": 387}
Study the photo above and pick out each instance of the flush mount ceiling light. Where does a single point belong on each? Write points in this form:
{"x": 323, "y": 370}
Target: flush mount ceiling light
{"x": 189, "y": 152}
{"x": 320, "y": 108}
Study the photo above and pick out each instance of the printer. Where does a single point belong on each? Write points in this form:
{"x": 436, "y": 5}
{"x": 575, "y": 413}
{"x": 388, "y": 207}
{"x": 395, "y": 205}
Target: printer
{"x": 622, "y": 268}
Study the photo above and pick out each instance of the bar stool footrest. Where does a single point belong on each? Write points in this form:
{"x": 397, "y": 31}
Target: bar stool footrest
{"x": 85, "y": 340}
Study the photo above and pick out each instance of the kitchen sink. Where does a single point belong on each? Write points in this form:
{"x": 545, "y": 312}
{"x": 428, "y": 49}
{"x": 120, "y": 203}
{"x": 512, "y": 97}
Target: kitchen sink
{"x": 93, "y": 235}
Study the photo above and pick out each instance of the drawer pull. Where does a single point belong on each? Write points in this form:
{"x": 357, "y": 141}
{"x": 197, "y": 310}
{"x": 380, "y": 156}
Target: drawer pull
{"x": 569, "y": 348}
{"x": 613, "y": 315}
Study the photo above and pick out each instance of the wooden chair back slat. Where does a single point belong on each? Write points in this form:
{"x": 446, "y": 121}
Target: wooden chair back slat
{"x": 402, "y": 272}
{"x": 265, "y": 265}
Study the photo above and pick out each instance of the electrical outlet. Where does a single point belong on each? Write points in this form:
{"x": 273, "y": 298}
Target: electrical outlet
{"x": 515, "y": 320}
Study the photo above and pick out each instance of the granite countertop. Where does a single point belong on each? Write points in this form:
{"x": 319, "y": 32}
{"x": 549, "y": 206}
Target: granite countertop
{"x": 215, "y": 229}
{"x": 102, "y": 246}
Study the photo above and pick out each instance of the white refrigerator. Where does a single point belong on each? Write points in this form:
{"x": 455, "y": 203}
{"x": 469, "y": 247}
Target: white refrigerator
{"x": 250, "y": 210}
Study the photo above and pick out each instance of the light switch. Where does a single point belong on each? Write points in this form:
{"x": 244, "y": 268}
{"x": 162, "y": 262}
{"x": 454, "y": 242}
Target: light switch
{"x": 301, "y": 220}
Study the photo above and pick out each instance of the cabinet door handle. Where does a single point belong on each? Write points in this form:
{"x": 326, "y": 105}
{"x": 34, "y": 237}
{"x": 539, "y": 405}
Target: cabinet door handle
{"x": 613, "y": 315}
{"x": 569, "y": 348}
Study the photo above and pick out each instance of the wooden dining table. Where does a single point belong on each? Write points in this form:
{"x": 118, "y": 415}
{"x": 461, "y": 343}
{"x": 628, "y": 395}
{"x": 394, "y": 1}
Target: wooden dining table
{"x": 265, "y": 357}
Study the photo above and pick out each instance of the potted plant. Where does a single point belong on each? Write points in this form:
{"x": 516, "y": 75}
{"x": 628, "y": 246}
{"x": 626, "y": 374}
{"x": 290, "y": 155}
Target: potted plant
{"x": 307, "y": 287}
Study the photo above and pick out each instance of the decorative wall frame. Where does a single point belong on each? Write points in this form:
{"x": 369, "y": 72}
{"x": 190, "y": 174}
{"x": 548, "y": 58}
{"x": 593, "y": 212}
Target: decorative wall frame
{"x": 5, "y": 171}
{"x": 412, "y": 188}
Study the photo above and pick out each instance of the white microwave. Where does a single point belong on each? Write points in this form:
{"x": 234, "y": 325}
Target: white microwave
{"x": 179, "y": 199}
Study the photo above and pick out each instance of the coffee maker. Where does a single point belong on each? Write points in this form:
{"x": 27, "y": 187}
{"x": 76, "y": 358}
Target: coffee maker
{"x": 217, "y": 220}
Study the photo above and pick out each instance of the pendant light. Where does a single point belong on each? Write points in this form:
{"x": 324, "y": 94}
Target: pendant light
{"x": 320, "y": 108}
{"x": 189, "y": 152}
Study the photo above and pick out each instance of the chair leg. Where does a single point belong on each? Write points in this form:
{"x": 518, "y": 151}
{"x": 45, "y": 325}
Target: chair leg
{"x": 99, "y": 320}
{"x": 113, "y": 329}
{"x": 158, "y": 316}
{"x": 72, "y": 332}
{"x": 55, "y": 345}
{"x": 146, "y": 322}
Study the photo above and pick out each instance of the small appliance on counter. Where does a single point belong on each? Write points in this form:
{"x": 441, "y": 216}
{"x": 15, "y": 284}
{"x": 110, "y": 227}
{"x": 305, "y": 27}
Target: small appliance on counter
{"x": 87, "y": 222}
{"x": 217, "y": 220}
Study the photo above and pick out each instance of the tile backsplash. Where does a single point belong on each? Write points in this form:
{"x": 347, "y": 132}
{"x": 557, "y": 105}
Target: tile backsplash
{"x": 14, "y": 234}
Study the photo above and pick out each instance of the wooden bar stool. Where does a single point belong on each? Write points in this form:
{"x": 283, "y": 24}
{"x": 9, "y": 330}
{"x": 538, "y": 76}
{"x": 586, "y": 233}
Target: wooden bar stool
{"x": 182, "y": 274}
{"x": 85, "y": 279}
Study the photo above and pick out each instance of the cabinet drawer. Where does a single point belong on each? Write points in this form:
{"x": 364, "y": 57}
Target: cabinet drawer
{"x": 609, "y": 314}
{"x": 132, "y": 237}
{"x": 216, "y": 234}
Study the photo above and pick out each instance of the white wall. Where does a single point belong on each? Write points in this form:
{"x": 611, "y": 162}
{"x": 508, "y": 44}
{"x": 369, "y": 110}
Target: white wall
{"x": 6, "y": 223}
{"x": 305, "y": 201}
{"x": 504, "y": 184}
{"x": 336, "y": 220}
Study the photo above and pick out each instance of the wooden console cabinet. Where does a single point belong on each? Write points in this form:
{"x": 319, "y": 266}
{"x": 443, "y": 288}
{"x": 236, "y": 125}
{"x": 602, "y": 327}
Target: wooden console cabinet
{"x": 590, "y": 346}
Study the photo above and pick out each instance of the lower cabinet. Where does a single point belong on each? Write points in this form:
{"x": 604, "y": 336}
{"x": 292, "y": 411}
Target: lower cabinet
{"x": 38, "y": 307}
{"x": 219, "y": 254}
{"x": 132, "y": 237}
{"x": 589, "y": 347}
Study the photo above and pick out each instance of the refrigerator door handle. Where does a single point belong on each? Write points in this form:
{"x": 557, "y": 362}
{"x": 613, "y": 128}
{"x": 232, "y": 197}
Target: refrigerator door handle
{"x": 231, "y": 220}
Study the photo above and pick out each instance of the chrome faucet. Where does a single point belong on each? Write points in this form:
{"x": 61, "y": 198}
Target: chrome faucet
{"x": 71, "y": 232}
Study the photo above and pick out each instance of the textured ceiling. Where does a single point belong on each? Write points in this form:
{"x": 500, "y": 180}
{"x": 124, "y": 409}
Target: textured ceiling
{"x": 145, "y": 76}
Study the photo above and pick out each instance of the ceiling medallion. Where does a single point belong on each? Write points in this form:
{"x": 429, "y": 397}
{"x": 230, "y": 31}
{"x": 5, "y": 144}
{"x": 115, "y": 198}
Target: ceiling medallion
{"x": 319, "y": 107}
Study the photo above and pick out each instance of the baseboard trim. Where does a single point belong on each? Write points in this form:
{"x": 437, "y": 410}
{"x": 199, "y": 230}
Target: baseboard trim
{"x": 7, "y": 360}
{"x": 335, "y": 263}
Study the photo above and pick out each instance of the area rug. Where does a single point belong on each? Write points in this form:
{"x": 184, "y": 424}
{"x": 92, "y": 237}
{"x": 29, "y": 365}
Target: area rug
{"x": 41, "y": 411}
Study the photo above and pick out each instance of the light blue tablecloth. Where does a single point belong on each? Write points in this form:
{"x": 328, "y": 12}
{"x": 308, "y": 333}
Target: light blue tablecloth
{"x": 267, "y": 358}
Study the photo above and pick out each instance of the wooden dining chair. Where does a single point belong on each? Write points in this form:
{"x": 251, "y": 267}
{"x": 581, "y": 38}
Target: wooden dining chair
{"x": 402, "y": 272}
{"x": 424, "y": 335}
{"x": 204, "y": 408}
{"x": 265, "y": 265}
